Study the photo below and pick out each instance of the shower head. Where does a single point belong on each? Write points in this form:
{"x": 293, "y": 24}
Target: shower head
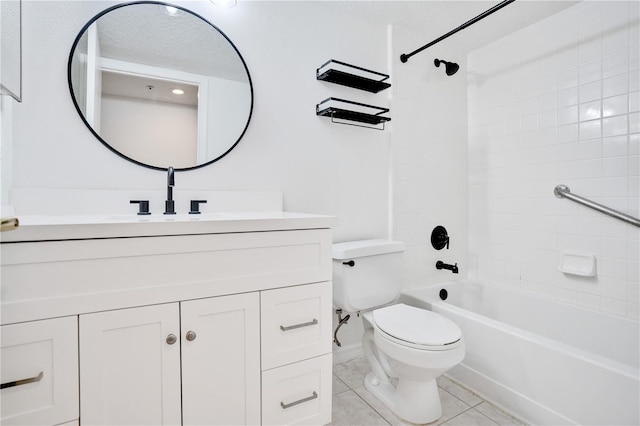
{"x": 450, "y": 67}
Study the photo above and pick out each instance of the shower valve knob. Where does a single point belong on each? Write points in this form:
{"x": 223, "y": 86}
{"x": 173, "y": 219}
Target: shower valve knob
{"x": 440, "y": 238}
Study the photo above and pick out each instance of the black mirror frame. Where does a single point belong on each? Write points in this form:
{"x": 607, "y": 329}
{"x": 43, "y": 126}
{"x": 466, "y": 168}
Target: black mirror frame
{"x": 75, "y": 102}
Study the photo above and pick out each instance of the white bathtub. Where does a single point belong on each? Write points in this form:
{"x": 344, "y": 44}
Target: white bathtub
{"x": 547, "y": 362}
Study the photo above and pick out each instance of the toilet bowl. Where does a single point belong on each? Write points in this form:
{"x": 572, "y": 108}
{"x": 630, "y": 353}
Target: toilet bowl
{"x": 407, "y": 347}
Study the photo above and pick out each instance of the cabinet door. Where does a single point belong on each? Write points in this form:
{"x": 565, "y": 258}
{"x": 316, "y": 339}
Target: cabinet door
{"x": 39, "y": 372}
{"x": 221, "y": 360}
{"x": 129, "y": 369}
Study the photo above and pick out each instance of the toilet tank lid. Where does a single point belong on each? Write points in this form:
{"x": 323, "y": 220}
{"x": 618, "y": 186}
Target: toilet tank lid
{"x": 355, "y": 249}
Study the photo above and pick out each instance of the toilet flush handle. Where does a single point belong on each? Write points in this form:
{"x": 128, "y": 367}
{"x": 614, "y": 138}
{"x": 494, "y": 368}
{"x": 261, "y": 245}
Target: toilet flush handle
{"x": 349, "y": 263}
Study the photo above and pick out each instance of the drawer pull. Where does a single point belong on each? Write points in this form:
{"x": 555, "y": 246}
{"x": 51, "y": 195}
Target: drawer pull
{"x": 304, "y": 324}
{"x": 300, "y": 401}
{"x": 22, "y": 382}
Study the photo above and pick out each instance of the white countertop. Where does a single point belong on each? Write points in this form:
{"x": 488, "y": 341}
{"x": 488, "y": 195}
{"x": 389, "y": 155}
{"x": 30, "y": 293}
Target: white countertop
{"x": 67, "y": 227}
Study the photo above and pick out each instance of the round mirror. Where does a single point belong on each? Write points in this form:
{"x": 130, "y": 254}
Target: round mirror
{"x": 160, "y": 86}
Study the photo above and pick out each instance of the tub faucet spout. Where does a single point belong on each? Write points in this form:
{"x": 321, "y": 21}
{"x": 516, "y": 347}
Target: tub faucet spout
{"x": 169, "y": 205}
{"x": 441, "y": 265}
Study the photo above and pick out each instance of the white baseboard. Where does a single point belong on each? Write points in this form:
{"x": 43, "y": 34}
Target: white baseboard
{"x": 347, "y": 353}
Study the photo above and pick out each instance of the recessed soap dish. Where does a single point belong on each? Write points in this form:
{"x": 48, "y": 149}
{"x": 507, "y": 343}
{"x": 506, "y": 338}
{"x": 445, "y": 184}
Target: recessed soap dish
{"x": 578, "y": 264}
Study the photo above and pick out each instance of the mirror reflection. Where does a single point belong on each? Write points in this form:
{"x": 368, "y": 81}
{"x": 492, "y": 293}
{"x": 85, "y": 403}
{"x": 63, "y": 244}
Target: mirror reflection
{"x": 160, "y": 86}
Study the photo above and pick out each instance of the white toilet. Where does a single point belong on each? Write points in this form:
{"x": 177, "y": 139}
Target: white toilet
{"x": 407, "y": 347}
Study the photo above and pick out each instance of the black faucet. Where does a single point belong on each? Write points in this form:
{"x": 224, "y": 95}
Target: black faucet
{"x": 169, "y": 206}
{"x": 441, "y": 265}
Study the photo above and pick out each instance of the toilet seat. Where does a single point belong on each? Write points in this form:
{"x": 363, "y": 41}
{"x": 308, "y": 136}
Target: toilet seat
{"x": 417, "y": 328}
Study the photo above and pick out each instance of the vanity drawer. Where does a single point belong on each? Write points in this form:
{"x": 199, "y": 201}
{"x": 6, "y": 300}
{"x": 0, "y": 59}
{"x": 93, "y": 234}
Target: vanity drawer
{"x": 40, "y": 372}
{"x": 296, "y": 323}
{"x": 298, "y": 393}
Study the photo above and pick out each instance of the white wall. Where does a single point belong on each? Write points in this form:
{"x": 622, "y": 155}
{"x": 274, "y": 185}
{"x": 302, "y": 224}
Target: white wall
{"x": 320, "y": 167}
{"x": 558, "y": 103}
{"x": 429, "y": 159}
{"x": 407, "y": 179}
{"x": 161, "y": 130}
{"x": 226, "y": 120}
{"x": 428, "y": 164}
{"x": 6, "y": 150}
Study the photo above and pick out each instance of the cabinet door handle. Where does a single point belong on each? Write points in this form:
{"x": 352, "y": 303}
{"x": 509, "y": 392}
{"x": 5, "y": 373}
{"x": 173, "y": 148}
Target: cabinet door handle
{"x": 171, "y": 339}
{"x": 304, "y": 324}
{"x": 191, "y": 336}
{"x": 22, "y": 382}
{"x": 300, "y": 401}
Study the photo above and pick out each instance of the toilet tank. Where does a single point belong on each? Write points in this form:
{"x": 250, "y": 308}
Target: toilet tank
{"x": 366, "y": 274}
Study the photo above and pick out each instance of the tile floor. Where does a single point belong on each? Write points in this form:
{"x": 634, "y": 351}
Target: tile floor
{"x": 354, "y": 405}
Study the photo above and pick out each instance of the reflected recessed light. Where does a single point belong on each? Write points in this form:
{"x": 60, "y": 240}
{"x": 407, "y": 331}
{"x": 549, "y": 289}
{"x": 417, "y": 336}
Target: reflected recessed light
{"x": 172, "y": 10}
{"x": 224, "y": 3}
{"x": 177, "y": 91}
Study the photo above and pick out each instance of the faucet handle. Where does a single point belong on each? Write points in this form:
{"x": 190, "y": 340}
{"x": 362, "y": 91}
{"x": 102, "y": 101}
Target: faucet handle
{"x": 195, "y": 206}
{"x": 143, "y": 206}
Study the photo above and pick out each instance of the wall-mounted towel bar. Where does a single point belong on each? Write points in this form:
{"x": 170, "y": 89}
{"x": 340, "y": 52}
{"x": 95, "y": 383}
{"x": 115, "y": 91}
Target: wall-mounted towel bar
{"x": 562, "y": 191}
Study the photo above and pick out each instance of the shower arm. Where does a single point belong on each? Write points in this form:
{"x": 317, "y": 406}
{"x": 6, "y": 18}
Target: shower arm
{"x": 405, "y": 56}
{"x": 562, "y": 191}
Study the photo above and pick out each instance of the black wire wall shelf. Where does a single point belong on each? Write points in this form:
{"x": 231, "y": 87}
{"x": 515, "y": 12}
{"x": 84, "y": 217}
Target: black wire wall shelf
{"x": 352, "y": 112}
{"x": 353, "y": 76}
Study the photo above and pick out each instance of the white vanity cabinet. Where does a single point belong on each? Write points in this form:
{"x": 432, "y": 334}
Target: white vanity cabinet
{"x": 39, "y": 372}
{"x": 187, "y": 322}
{"x": 296, "y": 355}
{"x": 128, "y": 374}
{"x": 132, "y": 371}
{"x": 221, "y": 360}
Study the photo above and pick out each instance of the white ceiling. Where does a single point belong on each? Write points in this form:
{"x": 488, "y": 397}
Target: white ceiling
{"x": 145, "y": 34}
{"x": 153, "y": 32}
{"x": 434, "y": 18}
{"x": 148, "y": 88}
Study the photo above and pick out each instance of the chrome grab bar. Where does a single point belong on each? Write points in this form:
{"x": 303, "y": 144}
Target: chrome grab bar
{"x": 300, "y": 401}
{"x": 305, "y": 324}
{"x": 22, "y": 382}
{"x": 562, "y": 191}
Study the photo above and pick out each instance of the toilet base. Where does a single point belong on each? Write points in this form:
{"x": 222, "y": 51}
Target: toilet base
{"x": 413, "y": 401}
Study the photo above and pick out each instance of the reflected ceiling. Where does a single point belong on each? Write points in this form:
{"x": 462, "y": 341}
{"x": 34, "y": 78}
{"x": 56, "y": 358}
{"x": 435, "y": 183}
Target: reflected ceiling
{"x": 119, "y": 31}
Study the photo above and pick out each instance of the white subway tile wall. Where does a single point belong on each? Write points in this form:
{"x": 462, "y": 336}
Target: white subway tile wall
{"x": 558, "y": 103}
